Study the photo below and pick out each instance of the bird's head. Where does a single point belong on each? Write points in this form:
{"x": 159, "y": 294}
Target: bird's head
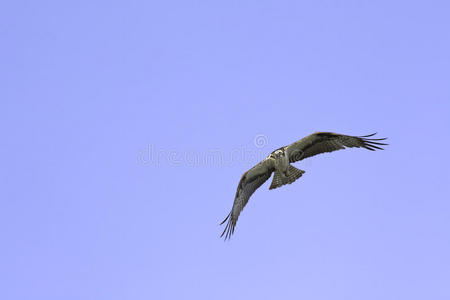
{"x": 278, "y": 153}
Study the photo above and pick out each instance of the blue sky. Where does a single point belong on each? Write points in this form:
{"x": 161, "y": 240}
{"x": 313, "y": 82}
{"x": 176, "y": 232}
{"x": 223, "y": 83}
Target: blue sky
{"x": 91, "y": 89}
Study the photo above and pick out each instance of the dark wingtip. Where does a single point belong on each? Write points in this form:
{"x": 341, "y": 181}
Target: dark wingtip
{"x": 225, "y": 218}
{"x": 365, "y": 136}
{"x": 228, "y": 231}
{"x": 371, "y": 143}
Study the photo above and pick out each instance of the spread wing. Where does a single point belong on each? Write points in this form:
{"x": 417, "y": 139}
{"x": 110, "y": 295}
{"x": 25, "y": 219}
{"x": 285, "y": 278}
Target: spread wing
{"x": 250, "y": 181}
{"x": 321, "y": 142}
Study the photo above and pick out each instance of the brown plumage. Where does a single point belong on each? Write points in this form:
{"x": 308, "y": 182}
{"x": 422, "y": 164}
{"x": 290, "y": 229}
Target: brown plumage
{"x": 279, "y": 163}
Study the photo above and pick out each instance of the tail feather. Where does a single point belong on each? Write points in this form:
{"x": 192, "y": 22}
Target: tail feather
{"x": 280, "y": 180}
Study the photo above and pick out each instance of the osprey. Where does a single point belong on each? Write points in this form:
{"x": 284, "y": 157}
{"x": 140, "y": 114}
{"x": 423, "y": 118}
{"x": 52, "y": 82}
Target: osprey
{"x": 279, "y": 162}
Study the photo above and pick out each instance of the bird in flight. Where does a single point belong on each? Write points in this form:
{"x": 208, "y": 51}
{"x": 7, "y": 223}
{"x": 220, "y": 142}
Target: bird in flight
{"x": 279, "y": 162}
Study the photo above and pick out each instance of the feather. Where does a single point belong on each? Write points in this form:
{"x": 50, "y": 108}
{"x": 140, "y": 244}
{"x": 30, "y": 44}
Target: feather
{"x": 321, "y": 142}
{"x": 249, "y": 183}
{"x": 316, "y": 143}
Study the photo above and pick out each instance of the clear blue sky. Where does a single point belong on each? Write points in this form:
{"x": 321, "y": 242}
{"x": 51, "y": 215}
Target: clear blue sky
{"x": 89, "y": 89}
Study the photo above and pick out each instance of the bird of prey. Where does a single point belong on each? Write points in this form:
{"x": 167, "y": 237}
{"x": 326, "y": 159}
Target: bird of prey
{"x": 279, "y": 162}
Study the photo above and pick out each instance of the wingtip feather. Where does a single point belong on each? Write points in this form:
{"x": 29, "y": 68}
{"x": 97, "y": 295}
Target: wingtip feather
{"x": 225, "y": 219}
{"x": 372, "y": 143}
{"x": 229, "y": 228}
{"x": 365, "y": 136}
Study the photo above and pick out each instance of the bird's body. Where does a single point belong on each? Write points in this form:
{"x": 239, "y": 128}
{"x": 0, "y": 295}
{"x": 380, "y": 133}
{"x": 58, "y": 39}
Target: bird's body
{"x": 281, "y": 160}
{"x": 279, "y": 163}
